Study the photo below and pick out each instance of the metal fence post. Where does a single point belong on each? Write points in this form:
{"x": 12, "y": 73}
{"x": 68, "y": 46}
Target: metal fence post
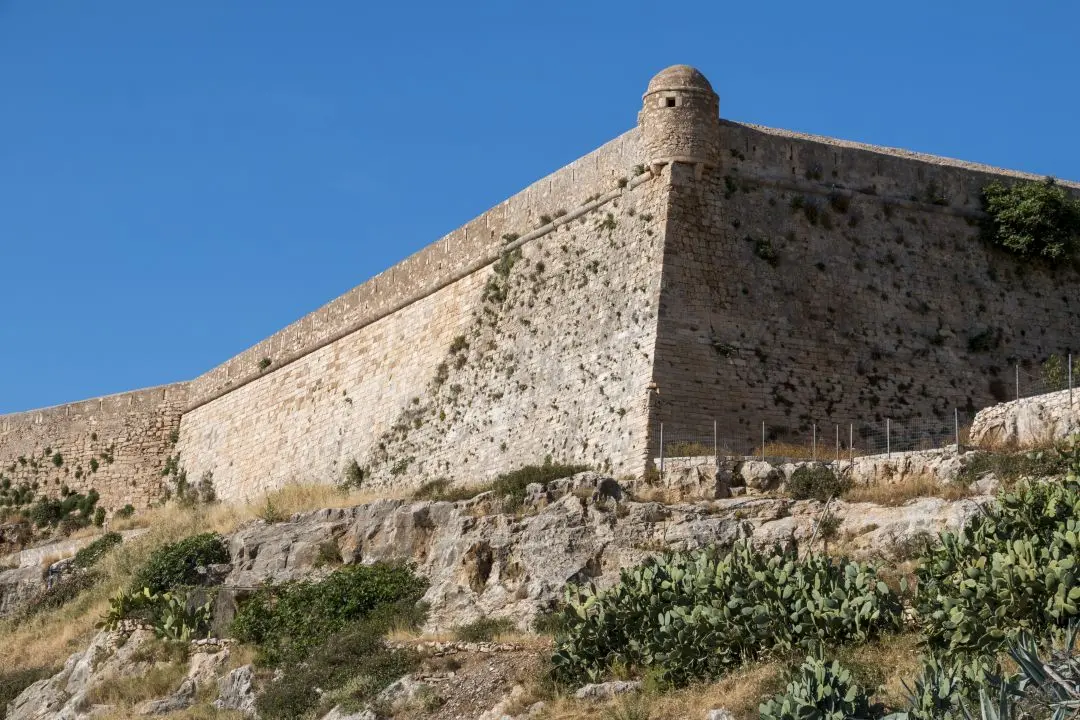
{"x": 851, "y": 442}
{"x": 1017, "y": 381}
{"x": 888, "y": 437}
{"x": 956, "y": 423}
{"x": 661, "y": 450}
{"x": 837, "y": 446}
{"x": 813, "y": 445}
{"x": 715, "y": 445}
{"x": 1070, "y": 380}
{"x": 763, "y": 440}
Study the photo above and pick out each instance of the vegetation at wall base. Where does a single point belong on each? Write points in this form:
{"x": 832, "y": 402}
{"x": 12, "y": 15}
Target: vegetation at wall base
{"x": 697, "y": 615}
{"x": 817, "y": 482}
{"x": 509, "y": 487}
{"x": 483, "y": 629}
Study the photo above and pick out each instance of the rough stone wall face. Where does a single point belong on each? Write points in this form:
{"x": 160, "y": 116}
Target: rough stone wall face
{"x": 811, "y": 282}
{"x": 545, "y": 353}
{"x": 117, "y": 445}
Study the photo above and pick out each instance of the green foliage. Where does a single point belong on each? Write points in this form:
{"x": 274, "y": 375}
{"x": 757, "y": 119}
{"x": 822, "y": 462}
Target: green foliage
{"x": 175, "y": 564}
{"x": 1055, "y": 373}
{"x": 764, "y": 249}
{"x": 13, "y": 682}
{"x": 348, "y": 668}
{"x": 173, "y": 615}
{"x": 441, "y": 489}
{"x": 1011, "y": 569}
{"x": 698, "y": 614}
{"x": 817, "y": 482}
{"x": 484, "y": 629}
{"x": 354, "y": 476}
{"x": 1032, "y": 219}
{"x": 944, "y": 686}
{"x": 819, "y": 691}
{"x": 287, "y": 621}
{"x": 511, "y": 486}
{"x": 265, "y": 363}
{"x": 126, "y": 511}
{"x": 73, "y": 510}
{"x": 1009, "y": 467}
{"x": 89, "y": 555}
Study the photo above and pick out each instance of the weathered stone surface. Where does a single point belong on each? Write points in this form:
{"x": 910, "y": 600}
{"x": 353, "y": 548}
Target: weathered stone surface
{"x": 179, "y": 700}
{"x": 1027, "y": 422}
{"x": 760, "y": 475}
{"x": 514, "y": 566}
{"x": 236, "y": 691}
{"x": 19, "y": 585}
{"x": 64, "y": 695}
{"x": 604, "y": 691}
{"x": 719, "y": 714}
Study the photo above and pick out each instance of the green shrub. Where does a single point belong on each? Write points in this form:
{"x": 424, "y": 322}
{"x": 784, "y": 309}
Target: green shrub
{"x": 13, "y": 682}
{"x": 1032, "y": 219}
{"x": 175, "y": 565}
{"x": 126, "y": 511}
{"x": 1012, "y": 466}
{"x": 511, "y": 486}
{"x": 819, "y": 691}
{"x": 817, "y": 482}
{"x": 73, "y": 510}
{"x": 1011, "y": 569}
{"x": 89, "y": 555}
{"x": 440, "y": 489}
{"x": 348, "y": 668}
{"x": 287, "y": 621}
{"x": 484, "y": 629}
{"x": 698, "y": 614}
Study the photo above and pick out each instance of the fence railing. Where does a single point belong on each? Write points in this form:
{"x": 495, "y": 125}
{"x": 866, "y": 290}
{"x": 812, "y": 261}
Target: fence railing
{"x": 832, "y": 440}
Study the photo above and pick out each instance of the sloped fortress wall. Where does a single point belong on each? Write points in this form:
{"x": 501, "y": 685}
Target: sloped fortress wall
{"x": 524, "y": 336}
{"x": 813, "y": 280}
{"x": 116, "y": 445}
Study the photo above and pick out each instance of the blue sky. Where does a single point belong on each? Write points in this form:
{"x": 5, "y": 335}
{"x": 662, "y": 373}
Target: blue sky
{"x": 179, "y": 180}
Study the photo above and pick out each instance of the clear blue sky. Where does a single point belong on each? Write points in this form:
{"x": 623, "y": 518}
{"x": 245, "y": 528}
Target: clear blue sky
{"x": 179, "y": 180}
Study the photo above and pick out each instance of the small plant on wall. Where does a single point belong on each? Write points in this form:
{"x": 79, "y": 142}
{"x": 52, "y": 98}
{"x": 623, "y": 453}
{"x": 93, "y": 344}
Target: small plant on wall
{"x": 1032, "y": 219}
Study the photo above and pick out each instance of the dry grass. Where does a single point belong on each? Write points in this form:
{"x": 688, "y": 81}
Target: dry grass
{"x": 48, "y": 638}
{"x": 740, "y": 692}
{"x": 883, "y": 666}
{"x": 127, "y": 692}
{"x": 900, "y": 492}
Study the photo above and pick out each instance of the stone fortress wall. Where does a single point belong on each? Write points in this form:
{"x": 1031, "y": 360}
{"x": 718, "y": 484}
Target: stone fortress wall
{"x": 692, "y": 269}
{"x": 813, "y": 280}
{"x": 116, "y": 445}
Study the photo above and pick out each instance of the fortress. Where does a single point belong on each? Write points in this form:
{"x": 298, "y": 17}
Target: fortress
{"x": 691, "y": 270}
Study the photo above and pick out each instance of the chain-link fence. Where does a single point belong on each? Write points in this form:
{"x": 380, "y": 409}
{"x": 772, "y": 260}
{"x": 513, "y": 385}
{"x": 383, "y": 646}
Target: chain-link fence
{"x": 834, "y": 440}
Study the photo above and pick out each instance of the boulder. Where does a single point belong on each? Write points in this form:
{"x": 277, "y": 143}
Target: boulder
{"x": 607, "y": 690}
{"x": 1027, "y": 422}
{"x": 237, "y": 692}
{"x": 760, "y": 475}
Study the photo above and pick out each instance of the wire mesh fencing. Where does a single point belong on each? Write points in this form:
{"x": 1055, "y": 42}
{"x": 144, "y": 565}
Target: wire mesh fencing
{"x": 826, "y": 441}
{"x": 1057, "y": 374}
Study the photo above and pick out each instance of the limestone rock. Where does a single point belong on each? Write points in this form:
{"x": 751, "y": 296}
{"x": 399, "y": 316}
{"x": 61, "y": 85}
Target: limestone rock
{"x": 338, "y": 714}
{"x": 760, "y": 475}
{"x": 604, "y": 691}
{"x": 1027, "y": 422}
{"x": 719, "y": 714}
{"x": 236, "y": 691}
{"x": 179, "y": 700}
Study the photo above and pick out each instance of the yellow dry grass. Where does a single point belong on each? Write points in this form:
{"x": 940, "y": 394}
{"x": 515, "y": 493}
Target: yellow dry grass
{"x": 126, "y": 692}
{"x": 900, "y": 492}
{"x": 740, "y": 692}
{"x": 48, "y": 638}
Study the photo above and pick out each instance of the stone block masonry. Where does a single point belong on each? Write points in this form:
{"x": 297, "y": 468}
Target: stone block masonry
{"x": 116, "y": 445}
{"x": 693, "y": 269}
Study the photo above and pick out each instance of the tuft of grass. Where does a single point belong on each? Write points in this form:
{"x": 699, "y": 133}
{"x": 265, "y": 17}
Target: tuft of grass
{"x": 1012, "y": 466}
{"x": 484, "y": 629}
{"x": 893, "y": 494}
{"x": 128, "y": 691}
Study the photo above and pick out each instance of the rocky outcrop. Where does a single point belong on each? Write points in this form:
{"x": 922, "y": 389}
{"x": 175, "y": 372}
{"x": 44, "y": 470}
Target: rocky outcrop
{"x": 18, "y": 586}
{"x": 1028, "y": 422}
{"x": 483, "y": 562}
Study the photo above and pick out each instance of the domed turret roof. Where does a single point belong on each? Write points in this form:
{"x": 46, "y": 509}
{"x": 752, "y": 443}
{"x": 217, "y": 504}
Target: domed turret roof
{"x": 679, "y": 77}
